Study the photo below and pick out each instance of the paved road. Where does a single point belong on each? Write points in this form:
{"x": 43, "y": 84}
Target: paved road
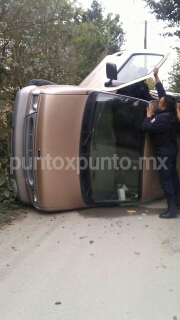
{"x": 92, "y": 264}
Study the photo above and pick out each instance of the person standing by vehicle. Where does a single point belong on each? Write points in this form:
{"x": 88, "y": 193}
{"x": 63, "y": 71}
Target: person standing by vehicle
{"x": 162, "y": 127}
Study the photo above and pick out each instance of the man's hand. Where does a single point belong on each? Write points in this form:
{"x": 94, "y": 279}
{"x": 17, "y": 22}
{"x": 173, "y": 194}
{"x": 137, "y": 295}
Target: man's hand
{"x": 155, "y": 72}
{"x": 150, "y": 111}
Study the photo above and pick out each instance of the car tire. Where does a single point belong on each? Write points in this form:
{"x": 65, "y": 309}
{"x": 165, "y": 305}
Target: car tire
{"x": 40, "y": 82}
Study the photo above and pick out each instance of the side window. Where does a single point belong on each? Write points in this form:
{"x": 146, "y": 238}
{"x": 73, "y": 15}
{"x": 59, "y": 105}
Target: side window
{"x": 139, "y": 65}
{"x": 116, "y": 133}
{"x": 128, "y": 118}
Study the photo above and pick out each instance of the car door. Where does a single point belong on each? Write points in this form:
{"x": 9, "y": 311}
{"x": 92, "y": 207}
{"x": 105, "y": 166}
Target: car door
{"x": 132, "y": 67}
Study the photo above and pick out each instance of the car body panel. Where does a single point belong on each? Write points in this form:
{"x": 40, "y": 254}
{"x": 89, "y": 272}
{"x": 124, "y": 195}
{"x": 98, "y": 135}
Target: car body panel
{"x": 151, "y": 188}
{"x": 17, "y": 141}
{"x": 57, "y": 134}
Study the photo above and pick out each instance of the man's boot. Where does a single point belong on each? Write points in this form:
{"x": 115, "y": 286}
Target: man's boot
{"x": 171, "y": 211}
{"x": 177, "y": 199}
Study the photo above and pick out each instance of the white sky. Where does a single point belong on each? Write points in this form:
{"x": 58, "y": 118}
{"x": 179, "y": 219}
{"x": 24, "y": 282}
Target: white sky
{"x": 133, "y": 14}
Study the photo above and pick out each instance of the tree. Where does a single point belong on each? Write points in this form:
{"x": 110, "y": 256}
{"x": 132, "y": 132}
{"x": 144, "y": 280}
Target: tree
{"x": 151, "y": 83}
{"x": 115, "y": 33}
{"x": 174, "y": 79}
{"x": 110, "y": 26}
{"x": 168, "y": 11}
{"x": 94, "y": 38}
{"x": 52, "y": 39}
{"x": 35, "y": 41}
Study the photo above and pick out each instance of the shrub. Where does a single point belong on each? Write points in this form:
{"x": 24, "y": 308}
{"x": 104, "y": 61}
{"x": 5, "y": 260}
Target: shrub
{"x": 7, "y": 193}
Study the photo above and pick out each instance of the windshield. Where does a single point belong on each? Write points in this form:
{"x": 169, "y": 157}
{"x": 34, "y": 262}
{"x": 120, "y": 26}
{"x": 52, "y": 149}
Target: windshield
{"x": 115, "y": 144}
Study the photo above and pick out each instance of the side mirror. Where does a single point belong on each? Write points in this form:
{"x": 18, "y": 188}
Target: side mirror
{"x": 111, "y": 71}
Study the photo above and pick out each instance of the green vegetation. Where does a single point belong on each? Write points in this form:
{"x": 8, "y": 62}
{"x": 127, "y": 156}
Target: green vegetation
{"x": 151, "y": 83}
{"x": 6, "y": 213}
{"x": 7, "y": 193}
{"x": 54, "y": 40}
{"x": 168, "y": 11}
{"x": 174, "y": 75}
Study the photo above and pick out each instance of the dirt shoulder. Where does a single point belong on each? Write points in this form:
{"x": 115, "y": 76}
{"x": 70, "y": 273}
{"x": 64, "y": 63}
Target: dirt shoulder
{"x": 9, "y": 213}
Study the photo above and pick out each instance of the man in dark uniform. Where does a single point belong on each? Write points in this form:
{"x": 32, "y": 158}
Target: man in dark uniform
{"x": 162, "y": 126}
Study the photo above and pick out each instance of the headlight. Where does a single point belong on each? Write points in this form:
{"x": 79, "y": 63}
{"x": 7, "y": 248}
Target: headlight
{"x": 35, "y": 102}
{"x": 35, "y": 197}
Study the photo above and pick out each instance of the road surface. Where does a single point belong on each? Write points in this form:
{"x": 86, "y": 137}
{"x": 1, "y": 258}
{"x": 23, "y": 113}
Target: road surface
{"x": 91, "y": 264}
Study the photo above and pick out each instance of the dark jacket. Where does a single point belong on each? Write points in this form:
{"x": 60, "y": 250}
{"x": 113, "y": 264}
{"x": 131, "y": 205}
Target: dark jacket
{"x": 162, "y": 126}
{"x": 160, "y": 90}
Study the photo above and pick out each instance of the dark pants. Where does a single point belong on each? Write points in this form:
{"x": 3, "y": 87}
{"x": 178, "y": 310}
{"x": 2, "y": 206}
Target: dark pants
{"x": 168, "y": 175}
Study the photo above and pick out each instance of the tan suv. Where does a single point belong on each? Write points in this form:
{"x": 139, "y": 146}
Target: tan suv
{"x": 77, "y": 146}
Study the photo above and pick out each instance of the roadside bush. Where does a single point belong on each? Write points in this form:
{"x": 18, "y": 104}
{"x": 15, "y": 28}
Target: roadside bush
{"x": 7, "y": 192}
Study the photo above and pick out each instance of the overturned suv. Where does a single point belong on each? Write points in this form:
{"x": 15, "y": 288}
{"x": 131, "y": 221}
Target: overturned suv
{"x": 79, "y": 146}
